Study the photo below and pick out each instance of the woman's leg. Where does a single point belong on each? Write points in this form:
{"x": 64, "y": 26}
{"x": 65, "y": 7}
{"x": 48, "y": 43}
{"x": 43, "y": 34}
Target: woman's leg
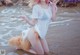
{"x": 35, "y": 42}
{"x": 44, "y": 45}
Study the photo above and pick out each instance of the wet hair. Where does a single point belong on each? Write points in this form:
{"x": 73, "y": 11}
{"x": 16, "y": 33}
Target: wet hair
{"x": 39, "y": 1}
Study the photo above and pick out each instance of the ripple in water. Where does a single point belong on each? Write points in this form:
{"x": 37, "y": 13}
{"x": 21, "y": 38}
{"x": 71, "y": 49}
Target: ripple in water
{"x": 10, "y": 23}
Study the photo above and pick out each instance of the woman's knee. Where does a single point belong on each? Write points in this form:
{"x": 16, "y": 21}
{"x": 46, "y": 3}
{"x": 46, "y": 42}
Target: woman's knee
{"x": 34, "y": 40}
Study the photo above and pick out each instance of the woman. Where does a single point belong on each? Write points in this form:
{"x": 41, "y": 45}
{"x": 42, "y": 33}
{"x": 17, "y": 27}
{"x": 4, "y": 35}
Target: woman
{"x": 42, "y": 13}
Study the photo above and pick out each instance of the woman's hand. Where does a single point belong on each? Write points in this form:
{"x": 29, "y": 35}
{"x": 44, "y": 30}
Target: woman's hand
{"x": 33, "y": 21}
{"x": 29, "y": 21}
{"x": 55, "y": 2}
{"x": 24, "y": 18}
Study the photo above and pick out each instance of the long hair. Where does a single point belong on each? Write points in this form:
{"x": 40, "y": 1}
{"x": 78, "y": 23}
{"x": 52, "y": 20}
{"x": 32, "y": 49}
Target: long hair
{"x": 39, "y": 1}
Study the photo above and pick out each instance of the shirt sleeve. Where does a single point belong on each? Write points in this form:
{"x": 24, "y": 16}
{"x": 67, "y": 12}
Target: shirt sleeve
{"x": 35, "y": 12}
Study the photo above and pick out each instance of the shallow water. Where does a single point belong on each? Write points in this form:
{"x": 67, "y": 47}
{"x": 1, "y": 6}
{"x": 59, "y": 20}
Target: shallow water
{"x": 11, "y": 24}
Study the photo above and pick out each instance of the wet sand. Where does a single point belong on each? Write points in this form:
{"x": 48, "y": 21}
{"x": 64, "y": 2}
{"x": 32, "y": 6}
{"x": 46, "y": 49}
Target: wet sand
{"x": 63, "y": 36}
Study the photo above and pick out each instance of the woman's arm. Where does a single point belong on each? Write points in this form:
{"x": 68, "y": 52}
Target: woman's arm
{"x": 29, "y": 21}
{"x": 32, "y": 21}
{"x": 34, "y": 16}
{"x": 54, "y": 9}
